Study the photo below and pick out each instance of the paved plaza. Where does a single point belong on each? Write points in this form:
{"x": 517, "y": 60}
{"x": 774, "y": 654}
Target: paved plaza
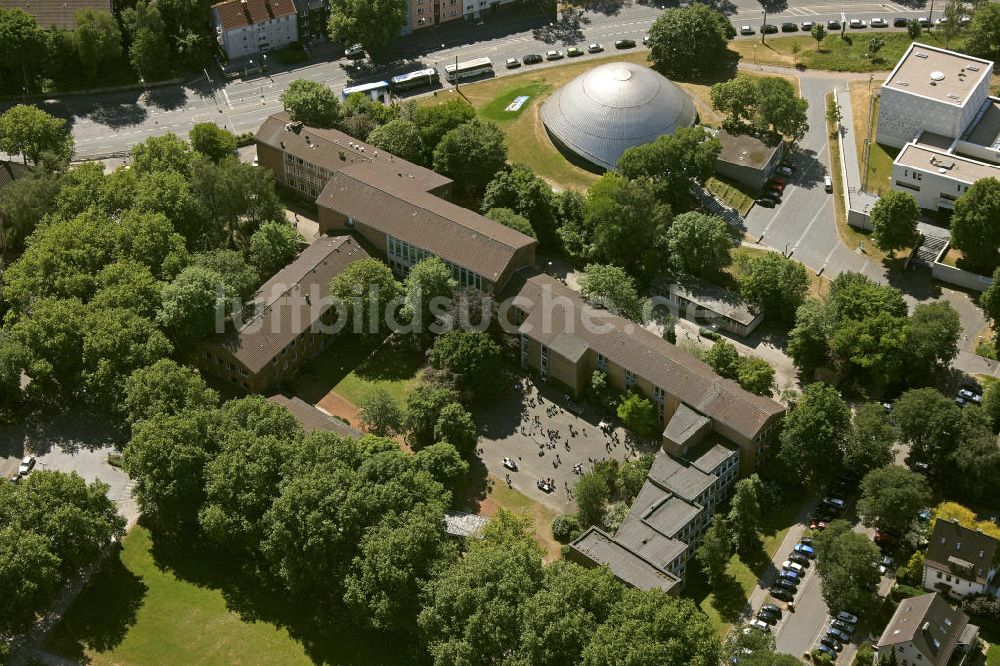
{"x": 518, "y": 425}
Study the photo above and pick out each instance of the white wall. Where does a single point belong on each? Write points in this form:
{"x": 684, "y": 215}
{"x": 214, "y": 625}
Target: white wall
{"x": 269, "y": 35}
{"x": 932, "y": 185}
{"x": 902, "y": 115}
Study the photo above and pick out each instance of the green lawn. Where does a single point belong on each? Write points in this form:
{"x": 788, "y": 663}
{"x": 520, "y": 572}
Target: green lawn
{"x": 993, "y": 656}
{"x": 154, "y": 603}
{"x": 496, "y": 109}
{"x": 736, "y": 195}
{"x": 355, "y": 366}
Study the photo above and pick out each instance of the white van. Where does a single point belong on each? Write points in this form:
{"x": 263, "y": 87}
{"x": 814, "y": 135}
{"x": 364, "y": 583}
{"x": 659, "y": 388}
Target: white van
{"x": 827, "y": 183}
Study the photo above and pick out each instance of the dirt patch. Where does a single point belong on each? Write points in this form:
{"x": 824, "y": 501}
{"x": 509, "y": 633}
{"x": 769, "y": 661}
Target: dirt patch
{"x": 338, "y": 406}
{"x": 499, "y": 495}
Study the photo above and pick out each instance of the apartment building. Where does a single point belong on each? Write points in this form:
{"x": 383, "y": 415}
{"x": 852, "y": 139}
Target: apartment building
{"x": 283, "y": 331}
{"x": 936, "y": 108}
{"x": 427, "y": 13}
{"x": 926, "y": 631}
{"x": 959, "y": 561}
{"x": 312, "y": 17}
{"x": 245, "y": 27}
{"x": 475, "y": 9}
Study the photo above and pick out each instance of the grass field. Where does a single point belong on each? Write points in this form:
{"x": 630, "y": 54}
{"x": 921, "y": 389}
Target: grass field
{"x": 880, "y": 158}
{"x": 512, "y": 500}
{"x": 993, "y": 656}
{"x": 156, "y": 604}
{"x": 355, "y": 366}
{"x": 833, "y": 53}
{"x": 736, "y": 195}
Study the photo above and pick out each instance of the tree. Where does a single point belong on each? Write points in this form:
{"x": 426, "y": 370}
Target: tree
{"x": 724, "y": 359}
{"x": 714, "y": 550}
{"x": 371, "y": 23}
{"x": 423, "y": 409}
{"x": 930, "y": 423}
{"x": 23, "y": 44}
{"x": 436, "y": 120}
{"x": 756, "y": 375}
{"x": 399, "y": 137}
{"x": 311, "y": 102}
{"x": 194, "y": 304}
{"x": 624, "y": 224}
{"x": 53, "y": 337}
{"x": 239, "y": 279}
{"x": 166, "y": 458}
{"x": 875, "y": 45}
{"x": 932, "y": 341}
{"x": 117, "y": 341}
{"x": 951, "y": 24}
{"x": 699, "y": 244}
{"x": 472, "y": 358}
{"x": 833, "y": 115}
{"x": 509, "y": 218}
{"x": 471, "y": 155}
{"x": 98, "y": 41}
{"x": 847, "y": 565}
{"x": 913, "y": 29}
{"x": 991, "y": 404}
{"x": 807, "y": 341}
{"x": 612, "y": 288}
{"x": 519, "y": 189}
{"x": 23, "y": 204}
{"x": 212, "y": 141}
{"x": 237, "y": 198}
{"x": 870, "y": 441}
{"x": 591, "y": 493}
{"x": 565, "y": 528}
{"x": 427, "y": 289}
{"x": 813, "y": 434}
{"x": 818, "y": 33}
{"x": 443, "y": 462}
{"x": 989, "y": 300}
{"x": 689, "y": 41}
{"x": 653, "y": 627}
{"x": 638, "y": 414}
{"x": 780, "y": 109}
{"x": 32, "y": 133}
{"x": 379, "y": 414}
{"x": 165, "y": 388}
{"x": 745, "y": 513}
{"x": 162, "y": 153}
{"x": 972, "y": 230}
{"x": 365, "y": 289}
{"x": 982, "y": 35}
{"x": 272, "y": 247}
{"x": 149, "y": 54}
{"x": 737, "y": 98}
{"x": 772, "y": 283}
{"x": 29, "y": 576}
{"x": 891, "y": 497}
{"x": 894, "y": 221}
{"x": 672, "y": 161}
{"x": 456, "y": 427}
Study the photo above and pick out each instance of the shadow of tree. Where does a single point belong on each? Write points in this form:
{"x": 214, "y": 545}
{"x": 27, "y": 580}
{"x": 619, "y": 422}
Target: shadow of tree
{"x": 103, "y": 613}
{"x": 728, "y": 599}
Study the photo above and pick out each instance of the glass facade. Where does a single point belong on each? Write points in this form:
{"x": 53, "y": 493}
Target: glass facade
{"x": 403, "y": 255}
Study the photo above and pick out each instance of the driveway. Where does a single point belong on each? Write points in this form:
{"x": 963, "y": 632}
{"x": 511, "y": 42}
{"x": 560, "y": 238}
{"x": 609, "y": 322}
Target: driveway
{"x": 78, "y": 442}
{"x": 515, "y": 426}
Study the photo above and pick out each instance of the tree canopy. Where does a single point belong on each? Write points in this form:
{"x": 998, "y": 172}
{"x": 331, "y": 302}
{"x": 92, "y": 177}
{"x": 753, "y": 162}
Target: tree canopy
{"x": 689, "y": 41}
{"x": 32, "y": 133}
{"x": 612, "y": 288}
{"x": 371, "y": 23}
{"x": 774, "y": 284}
{"x": 891, "y": 497}
{"x": 311, "y": 102}
{"x": 813, "y": 434}
{"x": 699, "y": 244}
{"x": 894, "y": 221}
{"x": 471, "y": 155}
{"x": 972, "y": 228}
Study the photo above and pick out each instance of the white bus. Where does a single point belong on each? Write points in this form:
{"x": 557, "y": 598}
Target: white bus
{"x": 377, "y": 90}
{"x": 467, "y": 70}
{"x": 420, "y": 79}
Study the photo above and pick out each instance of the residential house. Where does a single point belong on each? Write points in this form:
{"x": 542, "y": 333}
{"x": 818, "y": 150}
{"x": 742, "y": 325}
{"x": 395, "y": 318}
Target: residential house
{"x": 312, "y": 17}
{"x": 926, "y": 631}
{"x": 959, "y": 561}
{"x": 246, "y": 27}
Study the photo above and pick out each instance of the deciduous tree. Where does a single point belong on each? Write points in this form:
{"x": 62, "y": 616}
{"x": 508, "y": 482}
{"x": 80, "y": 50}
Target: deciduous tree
{"x": 972, "y": 227}
{"x": 371, "y": 23}
{"x": 472, "y": 358}
{"x": 272, "y": 247}
{"x": 32, "y": 133}
{"x": 399, "y": 137}
{"x": 891, "y": 496}
{"x": 812, "y": 438}
{"x": 612, "y": 288}
{"x": 894, "y": 221}
{"x": 311, "y": 102}
{"x": 380, "y": 414}
{"x": 847, "y": 565}
{"x": 689, "y": 42}
{"x": 365, "y": 289}
{"x": 773, "y": 283}
{"x": 870, "y": 441}
{"x": 423, "y": 409}
{"x": 471, "y": 155}
{"x": 714, "y": 551}
{"x": 212, "y": 141}
{"x": 699, "y": 244}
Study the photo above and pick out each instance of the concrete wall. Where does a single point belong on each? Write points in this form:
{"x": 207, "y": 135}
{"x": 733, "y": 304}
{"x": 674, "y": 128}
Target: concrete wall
{"x": 977, "y": 152}
{"x": 273, "y": 34}
{"x": 959, "y": 586}
{"x": 930, "y": 188}
{"x": 902, "y": 115}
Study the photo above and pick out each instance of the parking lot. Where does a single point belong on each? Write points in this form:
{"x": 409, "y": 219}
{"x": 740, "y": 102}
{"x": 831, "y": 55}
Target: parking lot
{"x": 77, "y": 442}
{"x": 517, "y": 425}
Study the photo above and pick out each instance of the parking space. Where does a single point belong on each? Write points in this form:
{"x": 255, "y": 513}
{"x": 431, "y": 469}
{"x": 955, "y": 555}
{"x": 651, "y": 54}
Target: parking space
{"x": 78, "y": 442}
{"x": 548, "y": 436}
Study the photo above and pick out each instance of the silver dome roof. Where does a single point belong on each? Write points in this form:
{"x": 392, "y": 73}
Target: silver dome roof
{"x": 603, "y": 112}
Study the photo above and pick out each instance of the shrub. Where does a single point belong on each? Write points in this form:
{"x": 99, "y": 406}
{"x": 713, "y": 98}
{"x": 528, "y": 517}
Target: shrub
{"x": 565, "y": 528}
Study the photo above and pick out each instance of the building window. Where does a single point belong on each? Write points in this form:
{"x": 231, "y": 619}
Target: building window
{"x": 602, "y": 362}
{"x": 629, "y": 379}
{"x": 915, "y": 188}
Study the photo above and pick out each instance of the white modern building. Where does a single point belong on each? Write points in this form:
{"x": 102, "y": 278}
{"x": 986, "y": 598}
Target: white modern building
{"x": 936, "y": 108}
{"x": 246, "y": 27}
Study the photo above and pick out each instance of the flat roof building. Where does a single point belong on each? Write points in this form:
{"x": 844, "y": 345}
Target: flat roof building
{"x": 747, "y": 159}
{"x": 707, "y": 303}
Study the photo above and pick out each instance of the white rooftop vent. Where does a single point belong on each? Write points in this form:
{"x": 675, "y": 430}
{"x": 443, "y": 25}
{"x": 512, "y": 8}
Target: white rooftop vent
{"x": 937, "y": 75}
{"x": 920, "y": 55}
{"x": 902, "y": 83}
{"x": 972, "y": 68}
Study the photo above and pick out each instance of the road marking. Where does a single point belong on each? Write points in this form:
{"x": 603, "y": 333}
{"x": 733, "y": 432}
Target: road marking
{"x": 812, "y": 222}
{"x": 226, "y": 95}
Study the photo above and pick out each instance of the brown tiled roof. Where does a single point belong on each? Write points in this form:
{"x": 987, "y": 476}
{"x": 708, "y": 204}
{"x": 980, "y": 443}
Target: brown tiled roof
{"x": 964, "y": 552}
{"x": 932, "y": 625}
{"x": 11, "y": 171}
{"x": 281, "y": 8}
{"x": 312, "y": 418}
{"x": 56, "y": 13}
{"x": 631, "y": 346}
{"x": 241, "y": 13}
{"x": 231, "y": 15}
{"x": 334, "y": 150}
{"x": 383, "y": 199}
{"x": 291, "y": 301}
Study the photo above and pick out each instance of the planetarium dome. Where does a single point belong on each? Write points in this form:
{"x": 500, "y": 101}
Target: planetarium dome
{"x": 608, "y": 109}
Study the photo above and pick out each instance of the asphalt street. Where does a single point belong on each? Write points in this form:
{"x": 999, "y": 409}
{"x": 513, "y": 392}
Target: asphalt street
{"x": 111, "y": 123}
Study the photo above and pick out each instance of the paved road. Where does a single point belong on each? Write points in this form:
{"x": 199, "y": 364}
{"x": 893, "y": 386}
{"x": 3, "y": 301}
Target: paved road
{"x": 114, "y": 122}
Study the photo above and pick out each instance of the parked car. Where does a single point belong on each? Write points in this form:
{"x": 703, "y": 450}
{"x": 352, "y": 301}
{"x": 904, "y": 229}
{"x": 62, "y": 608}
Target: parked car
{"x": 805, "y": 550}
{"x": 858, "y": 23}
{"x": 789, "y": 27}
{"x": 924, "y": 22}
{"x": 513, "y": 63}
{"x": 828, "y": 186}
{"x": 793, "y": 566}
{"x": 818, "y": 525}
{"x": 838, "y": 635}
{"x": 765, "y": 202}
{"x": 768, "y": 618}
{"x": 777, "y": 184}
{"x": 831, "y": 642}
{"x": 830, "y": 652}
{"x": 768, "y": 28}
{"x": 27, "y": 464}
{"x": 781, "y": 593}
{"x": 969, "y": 395}
{"x": 573, "y": 52}
{"x": 625, "y": 44}
{"x": 878, "y": 22}
{"x": 833, "y": 25}
{"x": 801, "y": 560}
{"x": 553, "y": 55}
{"x": 760, "y": 624}
{"x": 772, "y": 609}
{"x": 900, "y": 22}
{"x": 842, "y": 627}
{"x": 510, "y": 464}
{"x": 778, "y": 181}
{"x": 806, "y": 541}
{"x": 531, "y": 59}
{"x": 645, "y": 40}
{"x": 595, "y": 48}
{"x": 785, "y": 171}
{"x": 355, "y": 52}
{"x": 786, "y": 576}
{"x": 884, "y": 537}
{"x": 847, "y": 617}
{"x": 746, "y": 30}
{"x": 885, "y": 565}
{"x": 15, "y": 478}
{"x": 834, "y": 502}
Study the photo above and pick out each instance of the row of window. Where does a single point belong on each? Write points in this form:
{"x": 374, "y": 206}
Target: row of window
{"x": 407, "y": 255}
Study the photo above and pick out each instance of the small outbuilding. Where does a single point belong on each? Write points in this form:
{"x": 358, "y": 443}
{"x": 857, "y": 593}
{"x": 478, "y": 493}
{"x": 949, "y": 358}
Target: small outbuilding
{"x": 746, "y": 159}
